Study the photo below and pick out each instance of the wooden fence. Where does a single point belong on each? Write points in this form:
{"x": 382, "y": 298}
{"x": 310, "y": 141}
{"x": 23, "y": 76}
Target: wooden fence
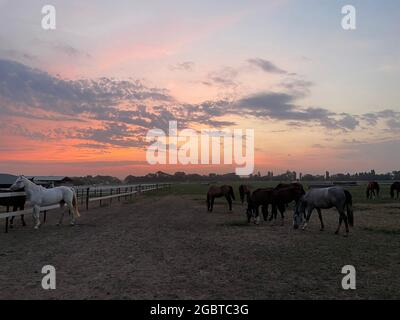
{"x": 87, "y": 195}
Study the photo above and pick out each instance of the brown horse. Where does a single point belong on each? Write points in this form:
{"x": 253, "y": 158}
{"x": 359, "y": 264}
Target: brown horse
{"x": 373, "y": 190}
{"x": 395, "y": 187}
{"x": 17, "y": 203}
{"x": 260, "y": 197}
{"x": 218, "y": 192}
{"x": 284, "y": 195}
{"x": 244, "y": 191}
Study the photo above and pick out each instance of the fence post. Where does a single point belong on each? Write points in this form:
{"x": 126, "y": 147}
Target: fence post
{"x": 87, "y": 198}
{"x": 119, "y": 192}
{"x": 45, "y": 216}
{"x": 101, "y": 194}
{"x": 111, "y": 193}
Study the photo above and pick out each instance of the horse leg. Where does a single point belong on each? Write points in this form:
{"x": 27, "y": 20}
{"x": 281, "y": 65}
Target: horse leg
{"x": 320, "y": 219}
{"x": 212, "y": 204}
{"x": 264, "y": 210}
{"x": 273, "y": 212}
{"x": 282, "y": 209}
{"x": 345, "y": 223}
{"x": 71, "y": 209}
{"x": 340, "y": 223}
{"x": 60, "y": 221}
{"x": 228, "y": 198}
{"x": 307, "y": 219}
{"x": 23, "y": 220}
{"x": 15, "y": 208}
{"x": 36, "y": 216}
{"x": 257, "y": 217}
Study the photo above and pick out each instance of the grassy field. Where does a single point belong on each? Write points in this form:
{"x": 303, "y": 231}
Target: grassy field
{"x": 358, "y": 192}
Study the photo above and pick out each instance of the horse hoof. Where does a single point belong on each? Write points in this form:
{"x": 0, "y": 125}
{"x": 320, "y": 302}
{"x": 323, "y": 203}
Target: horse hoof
{"x": 72, "y": 224}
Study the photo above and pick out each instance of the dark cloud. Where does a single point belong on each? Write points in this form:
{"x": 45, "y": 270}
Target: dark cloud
{"x": 281, "y": 106}
{"x": 266, "y": 66}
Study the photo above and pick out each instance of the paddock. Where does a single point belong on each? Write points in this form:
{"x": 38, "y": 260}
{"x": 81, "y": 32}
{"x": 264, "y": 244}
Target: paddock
{"x": 164, "y": 245}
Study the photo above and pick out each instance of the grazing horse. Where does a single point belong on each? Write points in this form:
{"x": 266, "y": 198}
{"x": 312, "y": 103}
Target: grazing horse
{"x": 373, "y": 190}
{"x": 244, "y": 191}
{"x": 395, "y": 187}
{"x": 325, "y": 198}
{"x": 218, "y": 192}
{"x": 18, "y": 203}
{"x": 40, "y": 197}
{"x": 283, "y": 195}
{"x": 260, "y": 197}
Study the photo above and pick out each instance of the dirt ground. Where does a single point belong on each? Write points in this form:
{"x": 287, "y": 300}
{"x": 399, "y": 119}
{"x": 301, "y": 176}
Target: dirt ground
{"x": 169, "y": 247}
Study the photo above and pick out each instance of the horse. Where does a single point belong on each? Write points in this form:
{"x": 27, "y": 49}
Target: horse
{"x": 39, "y": 197}
{"x": 17, "y": 203}
{"x": 244, "y": 191}
{"x": 260, "y": 197}
{"x": 218, "y": 192}
{"x": 283, "y": 195}
{"x": 325, "y": 198}
{"x": 373, "y": 190}
{"x": 395, "y": 186}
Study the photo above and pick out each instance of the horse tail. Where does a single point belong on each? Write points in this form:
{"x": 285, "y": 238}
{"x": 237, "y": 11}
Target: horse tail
{"x": 368, "y": 192}
{"x": 75, "y": 203}
{"x": 349, "y": 206}
{"x": 232, "y": 193}
{"x": 208, "y": 202}
{"x": 392, "y": 191}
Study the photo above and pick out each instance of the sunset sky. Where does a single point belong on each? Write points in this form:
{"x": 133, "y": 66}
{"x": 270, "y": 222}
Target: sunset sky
{"x": 80, "y": 99}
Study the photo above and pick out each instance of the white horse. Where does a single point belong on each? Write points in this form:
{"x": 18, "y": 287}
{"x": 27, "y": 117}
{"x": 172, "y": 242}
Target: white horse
{"x": 40, "y": 197}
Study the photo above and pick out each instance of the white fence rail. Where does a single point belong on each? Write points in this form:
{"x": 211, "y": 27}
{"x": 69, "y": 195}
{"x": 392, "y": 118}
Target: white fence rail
{"x": 85, "y": 196}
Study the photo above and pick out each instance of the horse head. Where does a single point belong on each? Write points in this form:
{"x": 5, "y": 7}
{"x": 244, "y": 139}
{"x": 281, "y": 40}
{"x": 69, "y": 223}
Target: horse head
{"x": 18, "y": 184}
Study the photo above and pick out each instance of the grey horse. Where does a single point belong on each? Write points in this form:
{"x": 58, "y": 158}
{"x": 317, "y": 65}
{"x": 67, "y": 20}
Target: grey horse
{"x": 326, "y": 198}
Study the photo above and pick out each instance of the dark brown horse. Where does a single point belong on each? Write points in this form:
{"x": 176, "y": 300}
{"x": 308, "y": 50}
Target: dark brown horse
{"x": 244, "y": 192}
{"x": 17, "y": 203}
{"x": 373, "y": 189}
{"x": 395, "y": 187}
{"x": 218, "y": 192}
{"x": 260, "y": 197}
{"x": 284, "y": 195}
